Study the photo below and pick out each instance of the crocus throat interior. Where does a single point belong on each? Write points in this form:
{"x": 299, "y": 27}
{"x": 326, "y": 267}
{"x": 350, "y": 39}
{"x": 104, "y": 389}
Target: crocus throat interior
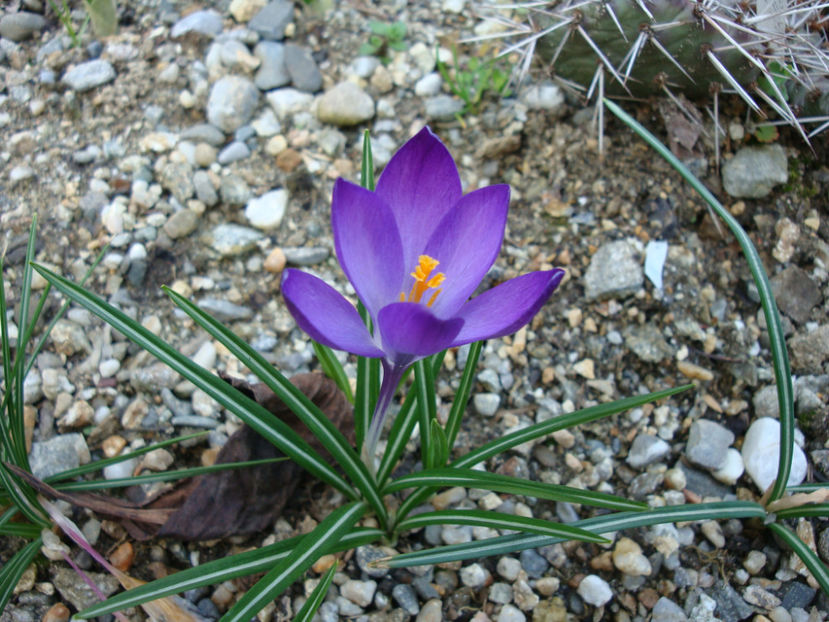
{"x": 424, "y": 280}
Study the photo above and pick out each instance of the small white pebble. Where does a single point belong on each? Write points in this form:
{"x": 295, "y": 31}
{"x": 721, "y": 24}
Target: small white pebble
{"x": 754, "y": 561}
{"x": 511, "y": 614}
{"x": 711, "y": 529}
{"x": 474, "y": 575}
{"x": 120, "y": 469}
{"x": 508, "y": 567}
{"x": 359, "y": 592}
{"x": 595, "y": 590}
{"x": 779, "y": 614}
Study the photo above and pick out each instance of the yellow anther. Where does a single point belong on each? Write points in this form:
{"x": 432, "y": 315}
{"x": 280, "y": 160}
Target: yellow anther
{"x": 432, "y": 299}
{"x": 424, "y": 280}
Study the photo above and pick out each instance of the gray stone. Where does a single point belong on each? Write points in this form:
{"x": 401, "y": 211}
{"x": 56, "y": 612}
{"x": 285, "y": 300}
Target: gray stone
{"x": 545, "y": 96}
{"x": 204, "y": 133}
{"x": 765, "y": 402}
{"x": 88, "y": 75}
{"x": 533, "y": 564}
{"x": 646, "y": 449}
{"x": 87, "y": 155}
{"x": 181, "y": 224}
{"x": 20, "y": 26}
{"x": 367, "y": 554}
{"x": 442, "y": 107}
{"x": 331, "y": 141}
{"x": 177, "y": 177}
{"x": 821, "y": 459}
{"x": 272, "y": 72}
{"x": 647, "y": 343}
{"x": 796, "y": 293}
{"x": 154, "y": 377}
{"x": 644, "y": 484}
{"x": 205, "y": 192}
{"x": 488, "y": 377}
{"x": 359, "y": 592}
{"x": 234, "y": 190}
{"x": 232, "y": 102}
{"x": 206, "y": 22}
{"x": 810, "y": 350}
{"x": 194, "y": 421}
{"x": 730, "y": 606}
{"x": 235, "y": 151}
{"x": 78, "y": 593}
{"x": 363, "y": 66}
{"x": 224, "y": 310}
{"x": 754, "y": 171}
{"x": 486, "y": 404}
{"x": 58, "y": 454}
{"x": 266, "y": 124}
{"x": 271, "y": 20}
{"x": 229, "y": 239}
{"x": 288, "y": 101}
{"x": 305, "y": 255}
{"x": 666, "y": 610}
{"x": 429, "y": 85}
{"x": 404, "y": 595}
{"x": 615, "y": 271}
{"x": 707, "y": 443}
{"x": 345, "y": 105}
{"x": 796, "y": 594}
{"x": 301, "y": 66}
{"x": 500, "y": 593}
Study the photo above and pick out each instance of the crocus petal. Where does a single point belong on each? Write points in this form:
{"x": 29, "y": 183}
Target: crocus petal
{"x": 466, "y": 243}
{"x": 410, "y": 331}
{"x": 368, "y": 244}
{"x": 420, "y": 183}
{"x": 324, "y": 314}
{"x": 504, "y": 309}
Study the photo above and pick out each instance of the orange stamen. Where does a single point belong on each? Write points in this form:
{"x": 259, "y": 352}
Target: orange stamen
{"x": 424, "y": 280}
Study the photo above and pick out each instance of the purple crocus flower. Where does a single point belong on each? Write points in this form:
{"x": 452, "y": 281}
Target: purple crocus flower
{"x": 415, "y": 249}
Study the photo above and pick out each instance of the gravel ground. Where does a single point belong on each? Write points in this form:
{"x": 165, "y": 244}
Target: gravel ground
{"x": 202, "y": 143}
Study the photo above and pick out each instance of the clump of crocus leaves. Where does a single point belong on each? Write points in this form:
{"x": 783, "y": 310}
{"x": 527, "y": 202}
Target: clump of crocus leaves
{"x": 415, "y": 249}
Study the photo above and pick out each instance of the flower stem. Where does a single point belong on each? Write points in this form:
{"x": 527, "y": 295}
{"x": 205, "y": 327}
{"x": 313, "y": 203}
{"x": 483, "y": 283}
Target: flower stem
{"x": 392, "y": 374}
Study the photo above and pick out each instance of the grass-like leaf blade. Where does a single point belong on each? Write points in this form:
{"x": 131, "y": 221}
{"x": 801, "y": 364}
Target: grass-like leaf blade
{"x": 451, "y": 476}
{"x": 307, "y": 551}
{"x": 216, "y": 571}
{"x": 426, "y": 410}
{"x": 162, "y": 476}
{"x": 617, "y": 521}
{"x": 820, "y": 510}
{"x": 332, "y": 368}
{"x": 453, "y": 422}
{"x": 255, "y": 415}
{"x": 13, "y": 569}
{"x": 494, "y": 520}
{"x": 818, "y": 569}
{"x": 780, "y": 357}
{"x": 309, "y": 609}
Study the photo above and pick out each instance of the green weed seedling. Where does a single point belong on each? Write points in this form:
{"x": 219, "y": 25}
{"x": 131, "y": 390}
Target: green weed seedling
{"x": 384, "y": 37}
{"x": 474, "y": 77}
